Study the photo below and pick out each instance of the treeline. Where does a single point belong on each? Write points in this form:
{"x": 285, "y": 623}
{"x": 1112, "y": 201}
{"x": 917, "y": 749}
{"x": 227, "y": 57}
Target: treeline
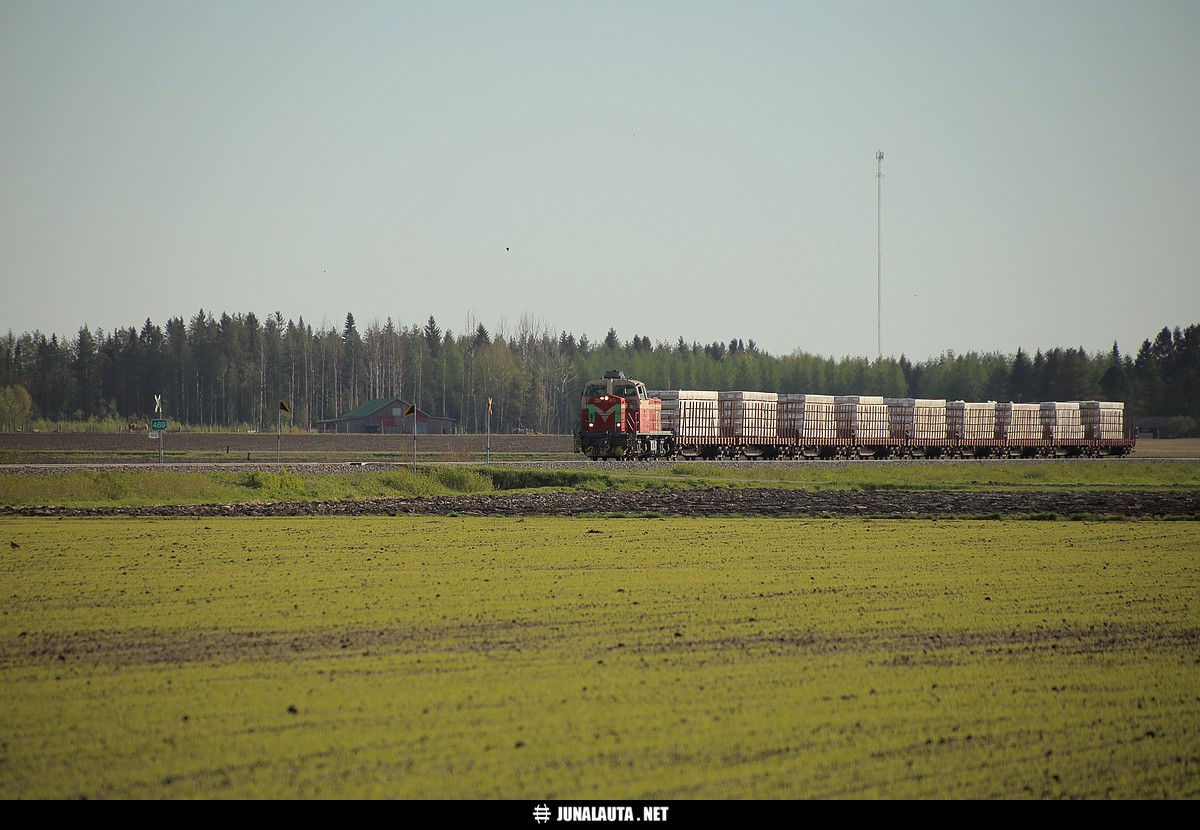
{"x": 231, "y": 371}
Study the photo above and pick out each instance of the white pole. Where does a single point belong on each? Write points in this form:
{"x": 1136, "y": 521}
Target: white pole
{"x": 879, "y": 253}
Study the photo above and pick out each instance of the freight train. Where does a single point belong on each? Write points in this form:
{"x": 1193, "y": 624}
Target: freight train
{"x": 621, "y": 419}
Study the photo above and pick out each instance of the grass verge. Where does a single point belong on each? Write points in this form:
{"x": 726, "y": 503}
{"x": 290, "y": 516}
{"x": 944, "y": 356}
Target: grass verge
{"x": 88, "y": 488}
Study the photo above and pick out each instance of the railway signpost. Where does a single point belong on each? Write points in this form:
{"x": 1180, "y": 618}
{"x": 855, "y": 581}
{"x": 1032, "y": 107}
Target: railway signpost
{"x": 158, "y": 425}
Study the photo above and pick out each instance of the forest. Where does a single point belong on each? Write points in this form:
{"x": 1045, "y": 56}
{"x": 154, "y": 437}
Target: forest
{"x": 231, "y": 371}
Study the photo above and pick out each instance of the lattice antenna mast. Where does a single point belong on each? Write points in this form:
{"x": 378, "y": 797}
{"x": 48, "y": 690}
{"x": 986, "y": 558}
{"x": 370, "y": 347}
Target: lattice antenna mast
{"x": 879, "y": 253}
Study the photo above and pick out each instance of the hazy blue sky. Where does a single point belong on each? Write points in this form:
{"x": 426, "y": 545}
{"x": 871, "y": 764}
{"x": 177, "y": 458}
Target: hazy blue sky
{"x": 670, "y": 169}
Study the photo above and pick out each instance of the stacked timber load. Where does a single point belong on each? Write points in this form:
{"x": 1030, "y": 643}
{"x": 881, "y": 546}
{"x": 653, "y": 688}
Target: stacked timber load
{"x": 969, "y": 421}
{"x": 1061, "y": 421}
{"x": 752, "y": 416}
{"x": 1102, "y": 420}
{"x": 916, "y": 419}
{"x": 807, "y": 417}
{"x": 862, "y": 418}
{"x": 1018, "y": 422}
{"x": 690, "y": 414}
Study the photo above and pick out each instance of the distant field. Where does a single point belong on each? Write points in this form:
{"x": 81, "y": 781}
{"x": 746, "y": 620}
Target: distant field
{"x": 233, "y": 447}
{"x": 1167, "y": 448}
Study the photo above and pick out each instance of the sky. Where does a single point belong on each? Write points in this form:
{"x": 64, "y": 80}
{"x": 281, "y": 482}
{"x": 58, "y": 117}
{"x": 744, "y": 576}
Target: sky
{"x": 695, "y": 170}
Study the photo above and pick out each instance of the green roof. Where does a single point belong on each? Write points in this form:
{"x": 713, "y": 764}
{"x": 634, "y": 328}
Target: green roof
{"x": 367, "y": 408}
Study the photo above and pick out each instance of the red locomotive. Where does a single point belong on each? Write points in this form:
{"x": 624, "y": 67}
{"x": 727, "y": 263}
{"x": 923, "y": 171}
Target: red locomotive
{"x": 620, "y": 420}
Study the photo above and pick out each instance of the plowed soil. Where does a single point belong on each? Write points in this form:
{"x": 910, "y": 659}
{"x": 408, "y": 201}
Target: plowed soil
{"x": 712, "y": 502}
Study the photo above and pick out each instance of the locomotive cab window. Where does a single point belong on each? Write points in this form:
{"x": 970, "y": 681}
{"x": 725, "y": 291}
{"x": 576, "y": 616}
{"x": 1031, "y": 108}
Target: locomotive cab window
{"x": 593, "y": 390}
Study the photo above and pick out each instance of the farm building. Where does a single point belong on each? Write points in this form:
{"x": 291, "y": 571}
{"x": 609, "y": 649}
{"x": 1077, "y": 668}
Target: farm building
{"x": 390, "y": 416}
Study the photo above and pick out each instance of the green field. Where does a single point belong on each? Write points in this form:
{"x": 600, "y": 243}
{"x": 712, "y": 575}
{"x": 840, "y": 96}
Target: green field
{"x": 554, "y": 659}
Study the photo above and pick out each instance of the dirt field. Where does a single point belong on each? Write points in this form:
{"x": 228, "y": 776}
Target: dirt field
{"x": 65, "y": 447}
{"x": 1167, "y": 448}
